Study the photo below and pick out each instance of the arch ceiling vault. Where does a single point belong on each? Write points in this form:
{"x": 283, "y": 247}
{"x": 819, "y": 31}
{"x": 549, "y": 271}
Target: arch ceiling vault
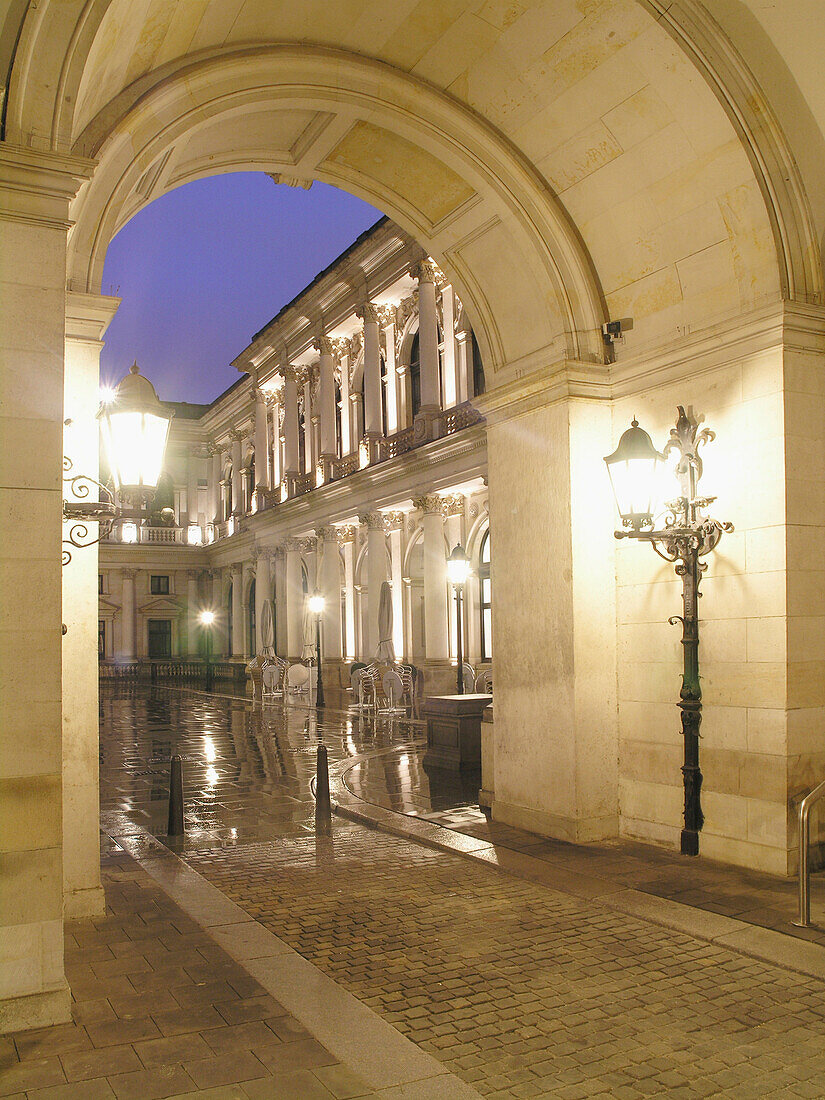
{"x": 565, "y": 162}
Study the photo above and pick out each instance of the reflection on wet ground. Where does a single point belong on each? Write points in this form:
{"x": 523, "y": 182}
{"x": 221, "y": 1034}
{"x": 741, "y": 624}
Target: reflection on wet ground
{"x": 246, "y": 768}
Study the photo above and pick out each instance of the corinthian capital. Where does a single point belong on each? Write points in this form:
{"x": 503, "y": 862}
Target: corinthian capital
{"x": 430, "y": 505}
{"x": 326, "y": 534}
{"x": 374, "y": 521}
{"x": 324, "y": 345}
{"x": 367, "y": 311}
{"x": 292, "y": 544}
{"x": 425, "y": 271}
{"x": 235, "y": 435}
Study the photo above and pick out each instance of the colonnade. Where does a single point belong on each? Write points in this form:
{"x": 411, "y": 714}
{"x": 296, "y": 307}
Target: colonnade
{"x": 306, "y": 418}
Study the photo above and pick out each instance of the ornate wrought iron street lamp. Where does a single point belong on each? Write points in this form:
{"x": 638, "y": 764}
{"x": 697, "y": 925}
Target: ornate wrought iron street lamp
{"x": 135, "y": 428}
{"x": 316, "y": 606}
{"x": 458, "y": 570}
{"x": 685, "y": 539}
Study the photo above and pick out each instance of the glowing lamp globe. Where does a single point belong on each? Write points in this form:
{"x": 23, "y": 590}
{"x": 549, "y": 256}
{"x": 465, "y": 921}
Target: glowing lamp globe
{"x": 207, "y": 618}
{"x": 316, "y": 604}
{"x": 135, "y": 428}
{"x": 635, "y": 474}
{"x": 458, "y": 566}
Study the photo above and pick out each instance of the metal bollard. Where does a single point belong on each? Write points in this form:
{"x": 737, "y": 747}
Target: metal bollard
{"x": 175, "y": 824}
{"x": 323, "y": 807}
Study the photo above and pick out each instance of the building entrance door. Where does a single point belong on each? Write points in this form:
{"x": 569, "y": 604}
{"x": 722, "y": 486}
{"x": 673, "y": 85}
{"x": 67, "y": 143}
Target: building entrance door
{"x": 160, "y": 637}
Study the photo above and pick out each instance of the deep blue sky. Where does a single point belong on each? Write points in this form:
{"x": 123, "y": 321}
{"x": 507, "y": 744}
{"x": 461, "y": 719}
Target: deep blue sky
{"x": 203, "y": 268}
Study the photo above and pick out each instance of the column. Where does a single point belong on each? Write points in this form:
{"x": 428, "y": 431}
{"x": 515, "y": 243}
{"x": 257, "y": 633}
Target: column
{"x": 428, "y": 338}
{"x": 294, "y": 598}
{"x": 237, "y": 476}
{"x": 193, "y": 461}
{"x": 396, "y": 522}
{"x": 278, "y": 566}
{"x": 373, "y": 427}
{"x": 192, "y": 611}
{"x": 376, "y": 574}
{"x": 449, "y": 364}
{"x": 391, "y": 394}
{"x": 463, "y": 367}
{"x": 291, "y": 451}
{"x": 219, "y": 629}
{"x": 329, "y": 582}
{"x": 326, "y": 404}
{"x": 261, "y": 450}
{"x": 37, "y": 187}
{"x": 346, "y": 405}
{"x": 435, "y": 578}
{"x": 347, "y": 537}
{"x": 214, "y": 509}
{"x": 263, "y": 591}
{"x": 274, "y": 428}
{"x": 127, "y": 640}
{"x": 87, "y": 317}
{"x": 238, "y": 647}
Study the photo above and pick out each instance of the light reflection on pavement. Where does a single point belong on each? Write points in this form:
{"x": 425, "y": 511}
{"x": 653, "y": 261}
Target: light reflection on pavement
{"x": 246, "y": 768}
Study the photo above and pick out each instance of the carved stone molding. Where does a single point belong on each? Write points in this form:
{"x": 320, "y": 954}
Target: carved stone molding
{"x": 425, "y": 271}
{"x": 326, "y": 534}
{"x": 347, "y": 533}
{"x": 309, "y": 544}
{"x": 290, "y": 545}
{"x": 215, "y": 448}
{"x": 453, "y": 504}
{"x": 129, "y": 574}
{"x": 341, "y": 346}
{"x": 236, "y": 568}
{"x": 194, "y": 574}
{"x": 324, "y": 345}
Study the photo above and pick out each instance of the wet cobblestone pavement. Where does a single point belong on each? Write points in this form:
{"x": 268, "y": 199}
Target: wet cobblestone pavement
{"x": 521, "y": 990}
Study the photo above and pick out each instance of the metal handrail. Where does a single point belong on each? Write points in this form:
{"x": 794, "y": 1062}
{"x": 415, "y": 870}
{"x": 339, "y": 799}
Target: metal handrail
{"x": 804, "y": 846}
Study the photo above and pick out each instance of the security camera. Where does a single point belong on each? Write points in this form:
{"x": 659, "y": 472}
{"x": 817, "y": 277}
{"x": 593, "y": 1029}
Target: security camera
{"x": 615, "y": 330}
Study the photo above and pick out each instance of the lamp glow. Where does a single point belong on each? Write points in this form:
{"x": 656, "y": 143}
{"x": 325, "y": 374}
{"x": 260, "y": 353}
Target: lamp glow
{"x": 129, "y": 532}
{"x": 135, "y": 428}
{"x": 194, "y": 535}
{"x": 207, "y": 617}
{"x": 458, "y": 566}
{"x": 635, "y": 470}
{"x": 316, "y": 604}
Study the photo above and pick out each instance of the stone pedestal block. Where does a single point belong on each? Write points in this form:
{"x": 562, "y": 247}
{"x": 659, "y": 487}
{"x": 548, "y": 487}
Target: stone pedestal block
{"x": 454, "y": 731}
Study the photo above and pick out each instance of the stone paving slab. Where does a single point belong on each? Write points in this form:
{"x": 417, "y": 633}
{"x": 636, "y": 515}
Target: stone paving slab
{"x": 522, "y": 990}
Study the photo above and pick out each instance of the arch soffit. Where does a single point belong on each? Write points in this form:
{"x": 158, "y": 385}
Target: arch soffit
{"x": 495, "y": 190}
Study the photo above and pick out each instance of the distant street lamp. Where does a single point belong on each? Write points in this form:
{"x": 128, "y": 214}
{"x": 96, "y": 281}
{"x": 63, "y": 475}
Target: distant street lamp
{"x": 316, "y": 606}
{"x": 207, "y": 619}
{"x": 458, "y": 570}
{"x": 687, "y": 536}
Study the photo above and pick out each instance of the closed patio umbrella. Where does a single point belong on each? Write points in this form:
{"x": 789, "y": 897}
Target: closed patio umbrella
{"x": 386, "y": 649}
{"x": 267, "y": 629}
{"x": 308, "y": 651}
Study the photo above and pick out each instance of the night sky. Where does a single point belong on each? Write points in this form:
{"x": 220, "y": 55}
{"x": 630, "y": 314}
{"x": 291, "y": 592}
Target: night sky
{"x": 203, "y": 268}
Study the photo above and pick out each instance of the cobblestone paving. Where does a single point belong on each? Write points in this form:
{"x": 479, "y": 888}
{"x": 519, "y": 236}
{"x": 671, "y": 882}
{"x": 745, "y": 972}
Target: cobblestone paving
{"x": 159, "y": 1010}
{"x": 526, "y": 992}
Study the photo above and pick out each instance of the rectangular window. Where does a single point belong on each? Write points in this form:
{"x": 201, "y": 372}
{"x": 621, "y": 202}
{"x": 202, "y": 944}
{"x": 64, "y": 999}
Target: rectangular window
{"x": 100, "y": 583}
{"x": 159, "y": 586}
{"x": 101, "y": 638}
{"x": 160, "y": 638}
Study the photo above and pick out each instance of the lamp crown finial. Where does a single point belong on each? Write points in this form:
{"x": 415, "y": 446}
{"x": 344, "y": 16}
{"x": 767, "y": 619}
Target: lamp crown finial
{"x": 134, "y": 369}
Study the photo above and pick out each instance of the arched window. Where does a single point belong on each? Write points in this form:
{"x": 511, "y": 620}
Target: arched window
{"x": 339, "y": 435}
{"x": 415, "y": 376}
{"x": 384, "y": 400}
{"x": 302, "y": 442}
{"x": 485, "y": 598}
{"x": 228, "y": 498}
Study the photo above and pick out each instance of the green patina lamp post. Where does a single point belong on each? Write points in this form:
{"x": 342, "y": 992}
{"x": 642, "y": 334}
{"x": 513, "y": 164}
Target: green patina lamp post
{"x": 687, "y": 536}
{"x": 316, "y": 606}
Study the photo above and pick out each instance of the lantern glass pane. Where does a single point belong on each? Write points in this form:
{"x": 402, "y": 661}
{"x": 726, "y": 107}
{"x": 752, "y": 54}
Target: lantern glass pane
{"x": 124, "y": 442}
{"x": 458, "y": 570}
{"x": 316, "y": 604}
{"x": 153, "y": 442}
{"x": 635, "y": 483}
